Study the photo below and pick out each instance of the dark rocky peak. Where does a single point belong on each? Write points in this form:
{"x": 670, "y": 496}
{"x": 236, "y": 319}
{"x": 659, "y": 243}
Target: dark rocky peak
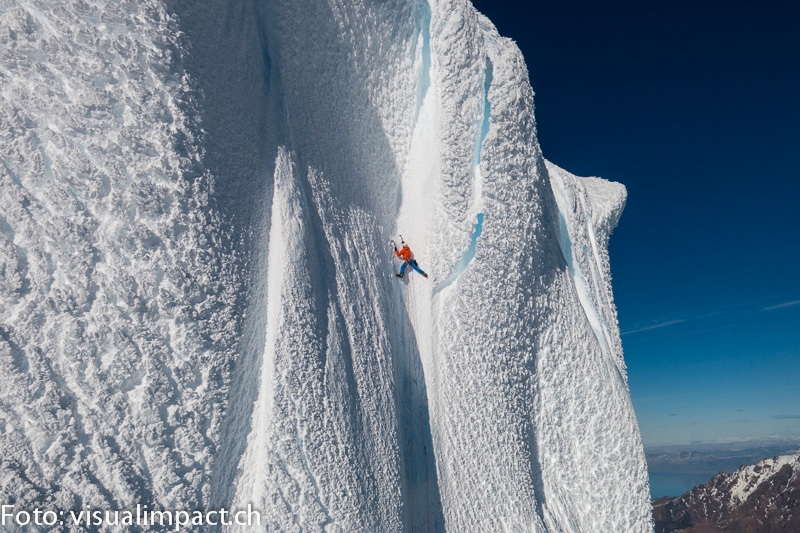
{"x": 760, "y": 498}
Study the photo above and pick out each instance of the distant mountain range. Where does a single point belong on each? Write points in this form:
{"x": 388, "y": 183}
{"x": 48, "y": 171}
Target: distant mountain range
{"x": 715, "y": 457}
{"x": 760, "y": 498}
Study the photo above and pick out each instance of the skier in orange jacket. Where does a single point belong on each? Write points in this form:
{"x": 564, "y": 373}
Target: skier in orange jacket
{"x": 408, "y": 259}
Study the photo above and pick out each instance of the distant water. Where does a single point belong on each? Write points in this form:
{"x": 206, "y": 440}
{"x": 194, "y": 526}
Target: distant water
{"x": 671, "y": 484}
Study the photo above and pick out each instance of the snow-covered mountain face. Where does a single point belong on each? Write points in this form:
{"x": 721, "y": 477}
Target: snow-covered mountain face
{"x": 119, "y": 283}
{"x": 198, "y": 307}
{"x": 759, "y": 498}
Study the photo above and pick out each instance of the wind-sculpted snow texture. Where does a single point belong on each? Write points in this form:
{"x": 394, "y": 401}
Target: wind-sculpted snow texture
{"x": 120, "y": 283}
{"x": 198, "y": 303}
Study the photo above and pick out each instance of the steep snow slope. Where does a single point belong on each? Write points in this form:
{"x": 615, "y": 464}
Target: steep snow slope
{"x": 121, "y": 284}
{"x": 492, "y": 395}
{"x": 196, "y": 209}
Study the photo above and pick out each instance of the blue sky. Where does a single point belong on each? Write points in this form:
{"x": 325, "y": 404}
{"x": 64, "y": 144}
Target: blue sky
{"x": 695, "y": 107}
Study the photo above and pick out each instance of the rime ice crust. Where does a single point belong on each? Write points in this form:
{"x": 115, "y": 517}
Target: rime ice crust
{"x": 603, "y": 442}
{"x": 117, "y": 322}
{"x": 491, "y": 396}
{"x": 509, "y": 397}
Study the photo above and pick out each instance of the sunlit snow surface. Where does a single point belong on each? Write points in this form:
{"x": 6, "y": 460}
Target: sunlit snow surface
{"x": 197, "y": 300}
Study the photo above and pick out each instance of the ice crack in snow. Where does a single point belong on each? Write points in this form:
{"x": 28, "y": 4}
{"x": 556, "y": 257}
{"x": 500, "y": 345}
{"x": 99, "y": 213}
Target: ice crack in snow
{"x": 423, "y": 15}
{"x": 477, "y": 229}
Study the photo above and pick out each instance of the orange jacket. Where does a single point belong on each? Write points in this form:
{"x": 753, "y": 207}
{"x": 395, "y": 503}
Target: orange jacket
{"x": 404, "y": 254}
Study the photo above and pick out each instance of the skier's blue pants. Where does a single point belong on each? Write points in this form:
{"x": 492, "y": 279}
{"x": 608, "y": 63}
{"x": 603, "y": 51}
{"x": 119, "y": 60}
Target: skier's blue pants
{"x": 413, "y": 264}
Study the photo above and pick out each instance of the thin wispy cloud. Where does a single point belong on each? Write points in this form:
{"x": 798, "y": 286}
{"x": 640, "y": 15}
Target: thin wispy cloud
{"x": 781, "y": 306}
{"x": 689, "y": 317}
{"x": 722, "y": 318}
{"x": 655, "y": 326}
{"x": 785, "y": 417}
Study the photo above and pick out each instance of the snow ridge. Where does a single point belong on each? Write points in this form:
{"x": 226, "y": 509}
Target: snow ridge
{"x": 587, "y": 264}
{"x": 745, "y": 481}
